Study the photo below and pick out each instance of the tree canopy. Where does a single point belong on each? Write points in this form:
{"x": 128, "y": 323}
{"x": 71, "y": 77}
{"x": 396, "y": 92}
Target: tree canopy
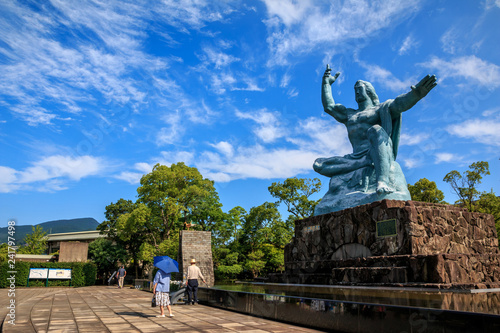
{"x": 172, "y": 192}
{"x": 36, "y": 242}
{"x": 294, "y": 193}
{"x": 465, "y": 185}
{"x": 426, "y": 191}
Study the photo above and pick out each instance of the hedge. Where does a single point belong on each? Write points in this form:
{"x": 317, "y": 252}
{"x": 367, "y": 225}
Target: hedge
{"x": 82, "y": 273}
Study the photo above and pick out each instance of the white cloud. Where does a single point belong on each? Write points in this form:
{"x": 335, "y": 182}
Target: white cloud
{"x": 449, "y": 40}
{"x": 225, "y": 148}
{"x": 326, "y": 137}
{"x": 413, "y": 139}
{"x": 309, "y": 140}
{"x": 257, "y": 162}
{"x": 223, "y": 81}
{"x": 411, "y": 163}
{"x": 292, "y": 93}
{"x": 217, "y": 58}
{"x": 134, "y": 177}
{"x": 488, "y": 4}
{"x": 470, "y": 68}
{"x": 491, "y": 112}
{"x": 173, "y": 133}
{"x": 268, "y": 129}
{"x": 301, "y": 26}
{"x": 408, "y": 44}
{"x": 285, "y": 80}
{"x": 384, "y": 77}
{"x": 289, "y": 11}
{"x": 483, "y": 131}
{"x": 144, "y": 167}
{"x": 447, "y": 157}
{"x": 167, "y": 158}
{"x": 8, "y": 177}
{"x": 59, "y": 166}
{"x": 130, "y": 177}
{"x": 50, "y": 173}
{"x": 102, "y": 58}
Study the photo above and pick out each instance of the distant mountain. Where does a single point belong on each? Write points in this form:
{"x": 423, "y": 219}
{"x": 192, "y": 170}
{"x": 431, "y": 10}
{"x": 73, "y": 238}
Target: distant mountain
{"x": 52, "y": 227}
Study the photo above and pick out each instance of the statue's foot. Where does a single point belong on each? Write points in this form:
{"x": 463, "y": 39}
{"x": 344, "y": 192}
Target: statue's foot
{"x": 383, "y": 188}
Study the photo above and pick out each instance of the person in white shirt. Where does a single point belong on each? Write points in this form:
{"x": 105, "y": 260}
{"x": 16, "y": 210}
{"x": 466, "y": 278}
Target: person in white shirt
{"x": 193, "y": 274}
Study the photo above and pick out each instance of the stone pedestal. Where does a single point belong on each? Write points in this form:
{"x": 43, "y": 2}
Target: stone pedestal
{"x": 196, "y": 245}
{"x": 396, "y": 243}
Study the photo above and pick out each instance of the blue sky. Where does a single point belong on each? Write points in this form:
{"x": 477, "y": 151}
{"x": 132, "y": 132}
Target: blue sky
{"x": 93, "y": 94}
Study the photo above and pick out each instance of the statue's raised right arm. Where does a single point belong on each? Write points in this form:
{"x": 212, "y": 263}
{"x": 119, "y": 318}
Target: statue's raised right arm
{"x": 337, "y": 111}
{"x": 406, "y": 101}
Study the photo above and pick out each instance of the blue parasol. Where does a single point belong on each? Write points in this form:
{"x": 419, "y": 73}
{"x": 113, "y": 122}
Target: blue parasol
{"x": 166, "y": 264}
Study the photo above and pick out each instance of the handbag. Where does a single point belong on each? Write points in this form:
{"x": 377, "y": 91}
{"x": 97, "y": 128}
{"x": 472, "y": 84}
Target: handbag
{"x": 153, "y": 301}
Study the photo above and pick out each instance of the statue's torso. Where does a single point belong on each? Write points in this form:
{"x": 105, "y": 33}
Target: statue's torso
{"x": 358, "y": 123}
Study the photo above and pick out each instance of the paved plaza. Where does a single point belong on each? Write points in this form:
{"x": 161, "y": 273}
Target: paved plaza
{"x": 109, "y": 309}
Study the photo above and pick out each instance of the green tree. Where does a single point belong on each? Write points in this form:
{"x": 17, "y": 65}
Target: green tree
{"x": 264, "y": 232}
{"x": 257, "y": 226}
{"x": 171, "y": 192}
{"x": 4, "y": 251}
{"x": 207, "y": 215}
{"x": 36, "y": 242}
{"x": 426, "y": 191}
{"x": 228, "y": 266}
{"x": 113, "y": 212}
{"x": 169, "y": 247}
{"x": 134, "y": 229}
{"x": 274, "y": 258}
{"x": 254, "y": 263}
{"x": 294, "y": 193}
{"x": 106, "y": 256}
{"x": 231, "y": 229}
{"x": 465, "y": 185}
{"x": 490, "y": 203}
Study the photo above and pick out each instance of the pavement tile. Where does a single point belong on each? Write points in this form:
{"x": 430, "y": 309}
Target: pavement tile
{"x": 102, "y": 309}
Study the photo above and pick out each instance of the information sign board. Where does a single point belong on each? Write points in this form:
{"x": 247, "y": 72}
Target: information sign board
{"x": 38, "y": 273}
{"x": 59, "y": 273}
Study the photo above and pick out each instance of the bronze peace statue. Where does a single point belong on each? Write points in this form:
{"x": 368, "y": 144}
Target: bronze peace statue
{"x": 371, "y": 172}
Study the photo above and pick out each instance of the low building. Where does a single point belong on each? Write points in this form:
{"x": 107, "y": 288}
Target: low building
{"x": 72, "y": 246}
{"x": 35, "y": 257}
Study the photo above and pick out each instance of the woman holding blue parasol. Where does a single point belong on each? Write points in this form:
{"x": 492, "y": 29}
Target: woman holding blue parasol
{"x": 161, "y": 282}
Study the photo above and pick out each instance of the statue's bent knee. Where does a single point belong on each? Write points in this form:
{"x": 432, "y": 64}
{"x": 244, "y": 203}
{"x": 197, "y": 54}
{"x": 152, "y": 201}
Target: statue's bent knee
{"x": 377, "y": 134}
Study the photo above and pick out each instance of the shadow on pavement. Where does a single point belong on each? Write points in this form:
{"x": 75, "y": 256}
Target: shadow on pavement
{"x": 135, "y": 314}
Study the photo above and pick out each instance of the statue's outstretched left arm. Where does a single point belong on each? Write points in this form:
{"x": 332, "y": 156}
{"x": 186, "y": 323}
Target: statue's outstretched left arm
{"x": 420, "y": 90}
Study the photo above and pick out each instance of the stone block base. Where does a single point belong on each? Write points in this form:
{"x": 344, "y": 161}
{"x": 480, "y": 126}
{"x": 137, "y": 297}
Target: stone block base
{"x": 480, "y": 271}
{"x": 430, "y": 245}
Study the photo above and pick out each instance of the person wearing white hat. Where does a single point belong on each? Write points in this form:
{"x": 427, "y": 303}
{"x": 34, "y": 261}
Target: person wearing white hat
{"x": 193, "y": 274}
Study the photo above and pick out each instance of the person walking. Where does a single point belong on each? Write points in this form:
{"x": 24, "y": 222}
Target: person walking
{"x": 161, "y": 289}
{"x": 193, "y": 274}
{"x": 121, "y": 276}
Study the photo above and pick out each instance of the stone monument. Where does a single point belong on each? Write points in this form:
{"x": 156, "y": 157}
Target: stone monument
{"x": 367, "y": 231}
{"x": 371, "y": 172}
{"x": 393, "y": 242}
{"x": 197, "y": 245}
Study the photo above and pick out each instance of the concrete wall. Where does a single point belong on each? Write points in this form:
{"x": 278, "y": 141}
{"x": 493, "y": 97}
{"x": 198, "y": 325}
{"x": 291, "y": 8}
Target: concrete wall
{"x": 73, "y": 252}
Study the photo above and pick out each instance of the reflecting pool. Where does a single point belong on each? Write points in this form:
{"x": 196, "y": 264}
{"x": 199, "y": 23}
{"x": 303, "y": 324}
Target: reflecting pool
{"x": 477, "y": 300}
{"x": 362, "y": 309}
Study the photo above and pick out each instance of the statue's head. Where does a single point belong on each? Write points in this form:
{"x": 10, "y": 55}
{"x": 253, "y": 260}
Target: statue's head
{"x": 370, "y": 91}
